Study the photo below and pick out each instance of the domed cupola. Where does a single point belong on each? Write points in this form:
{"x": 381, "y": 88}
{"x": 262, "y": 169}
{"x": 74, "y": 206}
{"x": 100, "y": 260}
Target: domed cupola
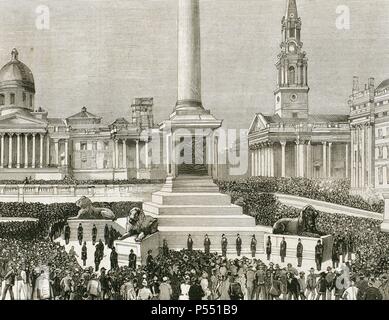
{"x": 17, "y": 87}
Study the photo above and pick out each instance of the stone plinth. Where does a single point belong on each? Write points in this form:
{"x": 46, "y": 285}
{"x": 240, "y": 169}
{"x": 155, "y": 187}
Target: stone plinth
{"x": 123, "y": 248}
{"x": 309, "y": 245}
{"x": 193, "y": 205}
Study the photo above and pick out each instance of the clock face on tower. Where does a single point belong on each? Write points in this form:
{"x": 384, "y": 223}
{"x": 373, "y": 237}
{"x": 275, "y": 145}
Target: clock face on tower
{"x": 293, "y": 97}
{"x": 292, "y": 48}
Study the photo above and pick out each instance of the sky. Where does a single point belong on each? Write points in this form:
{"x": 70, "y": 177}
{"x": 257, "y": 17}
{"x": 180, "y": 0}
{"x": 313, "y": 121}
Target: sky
{"x": 103, "y": 53}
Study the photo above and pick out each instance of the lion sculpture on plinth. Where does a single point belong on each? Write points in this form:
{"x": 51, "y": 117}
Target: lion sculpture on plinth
{"x": 140, "y": 225}
{"x": 304, "y": 224}
{"x": 88, "y": 211}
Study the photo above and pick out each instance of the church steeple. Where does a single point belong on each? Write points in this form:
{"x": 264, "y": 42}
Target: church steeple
{"x": 291, "y": 94}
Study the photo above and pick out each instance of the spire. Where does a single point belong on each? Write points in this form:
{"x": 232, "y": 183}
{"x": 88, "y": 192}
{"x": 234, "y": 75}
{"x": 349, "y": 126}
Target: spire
{"x": 291, "y": 10}
{"x": 14, "y": 54}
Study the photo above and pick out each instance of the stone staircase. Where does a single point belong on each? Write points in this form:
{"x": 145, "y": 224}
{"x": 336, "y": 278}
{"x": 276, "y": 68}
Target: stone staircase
{"x": 193, "y": 205}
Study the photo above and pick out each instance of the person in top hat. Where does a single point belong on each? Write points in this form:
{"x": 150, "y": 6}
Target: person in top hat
{"x": 84, "y": 254}
{"x": 253, "y": 246}
{"x": 189, "y": 243}
{"x": 80, "y": 233}
{"x": 207, "y": 244}
{"x": 114, "y": 259}
{"x": 299, "y": 254}
{"x": 283, "y": 247}
{"x": 132, "y": 260}
{"x": 319, "y": 255}
{"x": 238, "y": 245}
{"x": 67, "y": 233}
{"x": 94, "y": 234}
{"x": 224, "y": 244}
{"x": 268, "y": 248}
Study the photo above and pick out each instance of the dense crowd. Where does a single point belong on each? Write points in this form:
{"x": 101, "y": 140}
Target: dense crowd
{"x": 334, "y": 191}
{"x": 22, "y": 230}
{"x": 43, "y": 270}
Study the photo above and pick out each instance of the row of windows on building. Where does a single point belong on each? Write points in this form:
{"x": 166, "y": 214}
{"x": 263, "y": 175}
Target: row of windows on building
{"x": 366, "y": 105}
{"x": 381, "y": 175}
{"x": 12, "y": 99}
{"x": 94, "y": 144}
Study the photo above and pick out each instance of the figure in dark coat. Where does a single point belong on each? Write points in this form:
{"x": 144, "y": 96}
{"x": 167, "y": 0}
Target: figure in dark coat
{"x": 268, "y": 248}
{"x": 300, "y": 249}
{"x": 111, "y": 237}
{"x": 189, "y": 243}
{"x": 319, "y": 255}
{"x": 84, "y": 254}
{"x": 207, "y": 244}
{"x": 132, "y": 260}
{"x": 67, "y": 233}
{"x": 94, "y": 234}
{"x": 80, "y": 233}
{"x": 106, "y": 234}
{"x": 335, "y": 254}
{"x": 253, "y": 246}
{"x": 97, "y": 259}
{"x": 150, "y": 261}
{"x": 238, "y": 245}
{"x": 283, "y": 249}
{"x": 114, "y": 259}
{"x": 224, "y": 244}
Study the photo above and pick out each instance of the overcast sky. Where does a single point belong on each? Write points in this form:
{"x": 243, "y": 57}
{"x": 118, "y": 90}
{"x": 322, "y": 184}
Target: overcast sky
{"x": 103, "y": 53}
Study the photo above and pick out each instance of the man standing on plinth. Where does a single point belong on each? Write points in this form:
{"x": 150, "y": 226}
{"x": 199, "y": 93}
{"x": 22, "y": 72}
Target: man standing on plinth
{"x": 94, "y": 234}
{"x": 300, "y": 250}
{"x": 106, "y": 234}
{"x": 319, "y": 255}
{"x": 253, "y": 246}
{"x": 84, "y": 254}
{"x": 238, "y": 245}
{"x": 132, "y": 260}
{"x": 114, "y": 259}
{"x": 207, "y": 244}
{"x": 224, "y": 244}
{"x": 190, "y": 243}
{"x": 67, "y": 233}
{"x": 283, "y": 249}
{"x": 80, "y": 233}
{"x": 268, "y": 248}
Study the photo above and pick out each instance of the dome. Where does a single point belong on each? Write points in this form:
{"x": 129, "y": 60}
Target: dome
{"x": 384, "y": 85}
{"x": 16, "y": 70}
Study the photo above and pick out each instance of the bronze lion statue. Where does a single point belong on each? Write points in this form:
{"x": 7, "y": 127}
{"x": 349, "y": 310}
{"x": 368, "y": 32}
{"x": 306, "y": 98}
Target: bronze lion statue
{"x": 140, "y": 225}
{"x": 88, "y": 211}
{"x": 304, "y": 223}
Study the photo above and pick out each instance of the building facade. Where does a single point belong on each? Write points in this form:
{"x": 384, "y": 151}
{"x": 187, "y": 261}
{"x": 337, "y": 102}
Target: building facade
{"x": 369, "y": 122}
{"x": 34, "y": 145}
{"x": 292, "y": 142}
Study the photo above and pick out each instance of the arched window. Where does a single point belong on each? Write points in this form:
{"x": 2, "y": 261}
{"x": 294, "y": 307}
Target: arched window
{"x": 292, "y": 73}
{"x": 2, "y": 100}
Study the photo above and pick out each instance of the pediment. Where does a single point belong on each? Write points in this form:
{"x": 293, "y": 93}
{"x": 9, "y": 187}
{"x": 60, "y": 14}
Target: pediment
{"x": 259, "y": 123}
{"x": 17, "y": 119}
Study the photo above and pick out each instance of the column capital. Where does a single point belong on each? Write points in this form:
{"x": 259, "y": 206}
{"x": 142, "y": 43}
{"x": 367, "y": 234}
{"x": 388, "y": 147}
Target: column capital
{"x": 330, "y": 144}
{"x": 324, "y": 143}
{"x": 10, "y": 134}
{"x": 283, "y": 143}
{"x": 33, "y": 134}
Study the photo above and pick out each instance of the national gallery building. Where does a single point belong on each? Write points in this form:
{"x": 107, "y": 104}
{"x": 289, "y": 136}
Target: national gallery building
{"x": 37, "y": 146}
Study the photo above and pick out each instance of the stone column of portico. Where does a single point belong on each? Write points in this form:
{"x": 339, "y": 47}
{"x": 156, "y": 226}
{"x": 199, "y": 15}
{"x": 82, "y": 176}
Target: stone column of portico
{"x": 189, "y": 57}
{"x": 10, "y": 164}
{"x": 116, "y": 153}
{"x": 254, "y": 162}
{"x": 41, "y": 137}
{"x": 147, "y": 155}
{"x": 262, "y": 159}
{"x": 48, "y": 150}
{"x": 26, "y": 150}
{"x": 18, "y": 150}
{"x": 309, "y": 159}
{"x": 33, "y": 150}
{"x": 324, "y": 159}
{"x": 363, "y": 157}
{"x": 272, "y": 160}
{"x": 370, "y": 170}
{"x": 353, "y": 157}
{"x": 137, "y": 155}
{"x": 347, "y": 157}
{"x": 66, "y": 152}
{"x": 329, "y": 160}
{"x": 283, "y": 159}
{"x": 2, "y": 152}
{"x": 259, "y": 162}
{"x": 124, "y": 153}
{"x": 357, "y": 162}
{"x": 56, "y": 148}
{"x": 266, "y": 161}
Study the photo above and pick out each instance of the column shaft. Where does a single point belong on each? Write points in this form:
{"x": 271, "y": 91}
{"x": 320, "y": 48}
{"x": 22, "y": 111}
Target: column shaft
{"x": 324, "y": 159}
{"x": 26, "y": 150}
{"x": 2, "y": 152}
{"x": 363, "y": 158}
{"x": 41, "y": 151}
{"x": 330, "y": 160}
{"x": 10, "y": 150}
{"x": 147, "y": 154}
{"x": 33, "y": 151}
{"x": 124, "y": 153}
{"x": 347, "y": 159}
{"x": 18, "y": 150}
{"x": 48, "y": 151}
{"x": 137, "y": 155}
{"x": 283, "y": 160}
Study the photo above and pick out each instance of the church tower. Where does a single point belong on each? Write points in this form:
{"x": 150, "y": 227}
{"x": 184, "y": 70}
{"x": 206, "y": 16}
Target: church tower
{"x": 291, "y": 94}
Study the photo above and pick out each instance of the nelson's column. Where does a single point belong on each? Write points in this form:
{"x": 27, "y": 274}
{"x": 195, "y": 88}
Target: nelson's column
{"x": 189, "y": 202}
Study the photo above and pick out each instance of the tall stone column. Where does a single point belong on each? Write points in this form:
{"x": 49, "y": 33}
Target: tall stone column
{"x": 137, "y": 155}
{"x": 48, "y": 151}
{"x": 309, "y": 159}
{"x": 56, "y": 147}
{"x": 254, "y": 159}
{"x": 258, "y": 164}
{"x": 18, "y": 150}
{"x": 353, "y": 157}
{"x": 347, "y": 159}
{"x": 147, "y": 154}
{"x": 33, "y": 150}
{"x": 363, "y": 157}
{"x": 66, "y": 152}
{"x": 329, "y": 159}
{"x": 262, "y": 160}
{"x": 271, "y": 151}
{"x": 283, "y": 159}
{"x": 26, "y": 150}
{"x": 266, "y": 161}
{"x": 189, "y": 57}
{"x": 116, "y": 153}
{"x": 324, "y": 159}
{"x": 2, "y": 151}
{"x": 10, "y": 164}
{"x": 125, "y": 153}
{"x": 41, "y": 136}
